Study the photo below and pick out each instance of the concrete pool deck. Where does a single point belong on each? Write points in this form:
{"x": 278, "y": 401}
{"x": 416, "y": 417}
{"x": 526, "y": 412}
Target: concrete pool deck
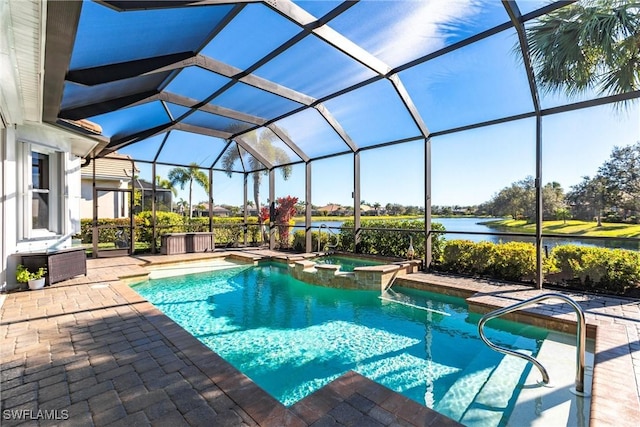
{"x": 91, "y": 351}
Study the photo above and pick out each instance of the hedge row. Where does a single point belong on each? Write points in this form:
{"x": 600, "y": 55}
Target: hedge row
{"x": 507, "y": 261}
{"x": 591, "y": 268}
{"x": 582, "y": 267}
{"x": 227, "y": 231}
{"x": 391, "y": 243}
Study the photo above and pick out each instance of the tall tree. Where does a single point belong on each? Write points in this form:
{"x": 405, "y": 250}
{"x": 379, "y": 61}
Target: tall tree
{"x": 518, "y": 200}
{"x": 588, "y": 45}
{"x": 553, "y": 199}
{"x": 515, "y": 200}
{"x": 166, "y": 184}
{"x": 182, "y": 176}
{"x": 621, "y": 175}
{"x": 182, "y": 205}
{"x": 589, "y": 198}
{"x": 615, "y": 189}
{"x": 262, "y": 142}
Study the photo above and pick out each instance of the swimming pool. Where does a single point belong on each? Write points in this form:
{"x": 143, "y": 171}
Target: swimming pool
{"x": 292, "y": 338}
{"x": 346, "y": 263}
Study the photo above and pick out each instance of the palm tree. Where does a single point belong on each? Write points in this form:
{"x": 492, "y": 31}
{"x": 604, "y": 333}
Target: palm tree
{"x": 376, "y": 206}
{"x": 592, "y": 44}
{"x": 166, "y": 184}
{"x": 262, "y": 142}
{"x": 193, "y": 173}
{"x": 182, "y": 205}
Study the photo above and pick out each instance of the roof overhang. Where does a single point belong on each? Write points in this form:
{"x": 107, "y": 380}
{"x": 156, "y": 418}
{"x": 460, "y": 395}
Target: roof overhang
{"x": 21, "y": 65}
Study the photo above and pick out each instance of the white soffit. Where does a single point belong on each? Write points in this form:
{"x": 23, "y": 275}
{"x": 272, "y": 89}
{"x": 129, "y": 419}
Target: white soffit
{"x": 57, "y": 138}
{"x": 21, "y": 41}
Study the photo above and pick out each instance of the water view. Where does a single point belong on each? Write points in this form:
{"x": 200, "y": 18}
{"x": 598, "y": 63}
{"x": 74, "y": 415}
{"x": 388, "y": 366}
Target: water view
{"x": 475, "y": 225}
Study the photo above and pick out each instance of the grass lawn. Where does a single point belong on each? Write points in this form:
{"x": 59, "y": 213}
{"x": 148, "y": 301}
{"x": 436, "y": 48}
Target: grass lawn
{"x": 579, "y": 228}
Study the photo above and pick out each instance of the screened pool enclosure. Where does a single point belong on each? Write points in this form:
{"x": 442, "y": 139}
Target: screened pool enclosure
{"x": 371, "y": 99}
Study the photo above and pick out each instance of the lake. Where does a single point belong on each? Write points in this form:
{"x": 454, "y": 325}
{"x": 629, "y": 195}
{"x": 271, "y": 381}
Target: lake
{"x": 473, "y": 224}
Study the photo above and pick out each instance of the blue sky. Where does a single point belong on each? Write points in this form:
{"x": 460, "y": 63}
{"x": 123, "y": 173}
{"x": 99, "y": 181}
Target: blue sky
{"x": 483, "y": 81}
{"x": 468, "y": 167}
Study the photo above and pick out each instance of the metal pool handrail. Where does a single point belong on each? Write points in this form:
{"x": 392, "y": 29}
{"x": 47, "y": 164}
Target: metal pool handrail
{"x": 320, "y": 234}
{"x": 323, "y": 225}
{"x": 580, "y": 336}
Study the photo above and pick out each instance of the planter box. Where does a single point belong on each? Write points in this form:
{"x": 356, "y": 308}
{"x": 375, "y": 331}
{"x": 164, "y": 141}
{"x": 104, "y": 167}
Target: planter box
{"x": 61, "y": 265}
{"x": 184, "y": 243}
{"x": 35, "y": 284}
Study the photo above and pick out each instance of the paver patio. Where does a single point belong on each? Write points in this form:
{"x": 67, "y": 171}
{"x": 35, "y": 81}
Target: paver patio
{"x": 95, "y": 353}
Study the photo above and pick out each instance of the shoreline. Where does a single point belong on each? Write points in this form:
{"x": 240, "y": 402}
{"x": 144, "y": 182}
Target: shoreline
{"x": 571, "y": 227}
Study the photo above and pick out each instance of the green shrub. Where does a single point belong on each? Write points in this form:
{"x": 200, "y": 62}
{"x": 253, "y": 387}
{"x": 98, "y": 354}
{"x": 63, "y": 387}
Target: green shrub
{"x": 299, "y": 240}
{"x": 613, "y": 270}
{"x": 391, "y": 243}
{"x": 106, "y": 232}
{"x": 226, "y": 230}
{"x": 514, "y": 261}
{"x": 457, "y": 256}
{"x": 166, "y": 222}
{"x": 589, "y": 268}
{"x": 504, "y": 261}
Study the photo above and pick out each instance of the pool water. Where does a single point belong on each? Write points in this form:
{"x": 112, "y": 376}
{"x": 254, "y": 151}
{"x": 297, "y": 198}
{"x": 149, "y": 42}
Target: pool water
{"x": 292, "y": 338}
{"x": 346, "y": 263}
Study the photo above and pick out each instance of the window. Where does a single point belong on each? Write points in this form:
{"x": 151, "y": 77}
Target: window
{"x": 42, "y": 183}
{"x": 40, "y": 194}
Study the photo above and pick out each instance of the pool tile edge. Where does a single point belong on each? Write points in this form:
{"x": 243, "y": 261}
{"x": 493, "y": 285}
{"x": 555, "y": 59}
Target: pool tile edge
{"x": 353, "y": 393}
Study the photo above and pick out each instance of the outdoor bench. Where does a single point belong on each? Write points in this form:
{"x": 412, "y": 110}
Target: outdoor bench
{"x": 182, "y": 243}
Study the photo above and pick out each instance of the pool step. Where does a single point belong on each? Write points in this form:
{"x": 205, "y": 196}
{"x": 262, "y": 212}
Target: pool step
{"x": 492, "y": 401}
{"x": 392, "y": 296}
{"x": 482, "y": 394}
{"x": 555, "y": 404}
{"x": 180, "y": 269}
{"x": 460, "y": 395}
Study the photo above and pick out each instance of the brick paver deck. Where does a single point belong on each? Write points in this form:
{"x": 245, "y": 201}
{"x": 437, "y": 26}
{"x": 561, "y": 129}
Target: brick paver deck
{"x": 91, "y": 351}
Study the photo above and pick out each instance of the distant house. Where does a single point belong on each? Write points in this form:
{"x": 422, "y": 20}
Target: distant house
{"x": 332, "y": 209}
{"x": 203, "y": 210}
{"x": 112, "y": 172}
{"x": 113, "y": 181}
{"x": 251, "y": 211}
{"x": 220, "y": 211}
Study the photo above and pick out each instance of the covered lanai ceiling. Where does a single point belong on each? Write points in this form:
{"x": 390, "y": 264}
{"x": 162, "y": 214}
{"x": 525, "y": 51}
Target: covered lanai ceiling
{"x": 186, "y": 81}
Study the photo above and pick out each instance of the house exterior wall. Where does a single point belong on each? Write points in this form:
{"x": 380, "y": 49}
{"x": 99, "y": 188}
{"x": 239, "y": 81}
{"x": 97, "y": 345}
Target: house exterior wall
{"x": 18, "y": 232}
{"x": 110, "y": 204}
{"x": 30, "y": 149}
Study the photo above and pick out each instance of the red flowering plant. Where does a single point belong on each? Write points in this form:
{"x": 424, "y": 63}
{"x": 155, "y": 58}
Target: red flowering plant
{"x": 263, "y": 216}
{"x": 285, "y": 211}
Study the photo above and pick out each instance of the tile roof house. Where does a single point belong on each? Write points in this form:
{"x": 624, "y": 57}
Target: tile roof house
{"x": 111, "y": 172}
